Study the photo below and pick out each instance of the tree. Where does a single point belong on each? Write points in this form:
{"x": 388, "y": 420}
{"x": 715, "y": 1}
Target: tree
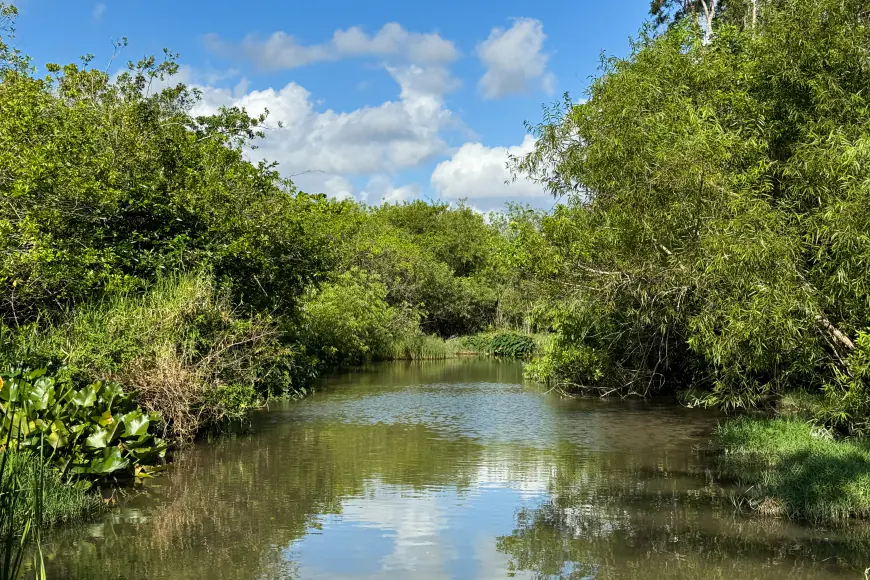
{"x": 718, "y": 225}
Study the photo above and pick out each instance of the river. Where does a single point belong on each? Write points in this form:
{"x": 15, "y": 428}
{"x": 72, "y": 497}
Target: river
{"x": 451, "y": 469}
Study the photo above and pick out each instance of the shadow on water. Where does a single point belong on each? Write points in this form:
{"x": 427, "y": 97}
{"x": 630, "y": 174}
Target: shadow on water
{"x": 449, "y": 469}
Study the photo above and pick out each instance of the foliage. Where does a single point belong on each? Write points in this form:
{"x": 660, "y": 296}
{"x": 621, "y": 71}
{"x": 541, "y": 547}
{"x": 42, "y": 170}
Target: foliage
{"x": 714, "y": 230}
{"x": 437, "y": 260}
{"x": 106, "y": 185}
{"x": 181, "y": 347}
{"x": 348, "y": 322}
{"x": 96, "y": 430}
{"x": 501, "y": 344}
{"x": 847, "y": 396}
{"x": 796, "y": 469}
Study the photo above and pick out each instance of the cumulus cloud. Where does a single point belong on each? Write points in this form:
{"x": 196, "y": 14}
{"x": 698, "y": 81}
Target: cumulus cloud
{"x": 324, "y": 151}
{"x": 392, "y": 41}
{"x": 392, "y": 136}
{"x": 514, "y": 60}
{"x": 480, "y": 174}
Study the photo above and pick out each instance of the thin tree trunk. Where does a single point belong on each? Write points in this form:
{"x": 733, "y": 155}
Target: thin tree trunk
{"x": 835, "y": 332}
{"x": 709, "y": 15}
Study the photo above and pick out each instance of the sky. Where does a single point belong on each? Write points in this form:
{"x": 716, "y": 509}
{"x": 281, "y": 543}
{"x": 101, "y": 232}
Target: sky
{"x": 379, "y": 100}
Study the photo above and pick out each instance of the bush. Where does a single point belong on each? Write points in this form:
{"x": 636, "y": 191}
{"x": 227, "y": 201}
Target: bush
{"x": 180, "y": 348}
{"x": 847, "y": 397}
{"x": 107, "y": 185}
{"x": 348, "y": 321}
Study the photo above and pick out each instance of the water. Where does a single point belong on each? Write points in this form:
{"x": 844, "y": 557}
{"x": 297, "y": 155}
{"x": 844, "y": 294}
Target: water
{"x": 450, "y": 470}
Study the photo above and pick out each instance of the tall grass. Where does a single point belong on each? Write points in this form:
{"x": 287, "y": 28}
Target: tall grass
{"x": 423, "y": 347}
{"x": 504, "y": 344}
{"x": 21, "y": 510}
{"x": 181, "y": 346}
{"x": 33, "y": 493}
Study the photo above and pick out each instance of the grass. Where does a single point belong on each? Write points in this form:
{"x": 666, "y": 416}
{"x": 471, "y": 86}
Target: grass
{"x": 34, "y": 495}
{"x": 423, "y": 347}
{"x": 507, "y": 344}
{"x": 795, "y": 469}
{"x": 497, "y": 343}
{"x": 180, "y": 346}
{"x": 63, "y": 500}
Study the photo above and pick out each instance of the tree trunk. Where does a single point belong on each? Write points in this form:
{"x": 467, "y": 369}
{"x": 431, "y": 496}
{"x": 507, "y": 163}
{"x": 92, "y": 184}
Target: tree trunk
{"x": 835, "y": 332}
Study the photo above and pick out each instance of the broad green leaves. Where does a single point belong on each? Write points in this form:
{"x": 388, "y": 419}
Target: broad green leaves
{"x": 96, "y": 430}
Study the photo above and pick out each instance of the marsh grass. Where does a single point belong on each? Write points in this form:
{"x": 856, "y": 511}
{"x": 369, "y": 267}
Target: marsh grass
{"x": 792, "y": 468}
{"x": 424, "y": 347}
{"x": 33, "y": 495}
{"x": 505, "y": 344}
{"x": 63, "y": 500}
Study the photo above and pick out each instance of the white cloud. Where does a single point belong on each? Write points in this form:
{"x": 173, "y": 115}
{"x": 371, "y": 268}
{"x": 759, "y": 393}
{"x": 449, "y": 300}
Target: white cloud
{"x": 380, "y": 189}
{"x": 382, "y": 139}
{"x": 480, "y": 173}
{"x": 514, "y": 60}
{"x": 392, "y": 41}
{"x": 99, "y": 10}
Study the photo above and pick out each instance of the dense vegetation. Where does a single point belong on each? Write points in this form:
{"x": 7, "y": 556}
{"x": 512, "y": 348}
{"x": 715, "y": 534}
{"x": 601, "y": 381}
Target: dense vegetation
{"x": 712, "y": 241}
{"x": 714, "y": 238}
{"x": 155, "y": 282}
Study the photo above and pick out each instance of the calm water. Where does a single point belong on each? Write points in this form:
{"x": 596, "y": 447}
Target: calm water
{"x": 450, "y": 470}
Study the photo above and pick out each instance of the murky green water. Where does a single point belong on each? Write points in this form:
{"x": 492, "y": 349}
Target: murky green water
{"x": 450, "y": 470}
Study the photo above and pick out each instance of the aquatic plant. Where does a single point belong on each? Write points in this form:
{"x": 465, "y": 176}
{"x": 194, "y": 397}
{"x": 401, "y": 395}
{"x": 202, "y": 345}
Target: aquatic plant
{"x": 95, "y": 430}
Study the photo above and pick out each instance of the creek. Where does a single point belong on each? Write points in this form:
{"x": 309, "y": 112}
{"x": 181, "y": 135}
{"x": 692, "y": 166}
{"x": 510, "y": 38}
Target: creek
{"x": 452, "y": 469}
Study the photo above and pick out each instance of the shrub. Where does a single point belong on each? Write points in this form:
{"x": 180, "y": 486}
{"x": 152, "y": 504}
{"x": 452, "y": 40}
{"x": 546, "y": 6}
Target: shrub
{"x": 847, "y": 397}
{"x": 348, "y": 321}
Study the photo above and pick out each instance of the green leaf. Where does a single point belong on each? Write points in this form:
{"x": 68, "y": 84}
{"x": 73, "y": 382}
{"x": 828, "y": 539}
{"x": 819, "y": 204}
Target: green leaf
{"x": 86, "y": 397}
{"x": 110, "y": 461}
{"x": 10, "y": 390}
{"x": 39, "y": 394}
{"x": 98, "y": 439}
{"x": 111, "y": 391}
{"x": 135, "y": 424}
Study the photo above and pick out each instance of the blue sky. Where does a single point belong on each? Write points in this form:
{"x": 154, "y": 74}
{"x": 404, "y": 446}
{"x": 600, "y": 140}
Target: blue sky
{"x": 383, "y": 100}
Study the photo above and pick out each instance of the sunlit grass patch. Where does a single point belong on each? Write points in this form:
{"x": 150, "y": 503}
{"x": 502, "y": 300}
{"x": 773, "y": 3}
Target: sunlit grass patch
{"x": 800, "y": 468}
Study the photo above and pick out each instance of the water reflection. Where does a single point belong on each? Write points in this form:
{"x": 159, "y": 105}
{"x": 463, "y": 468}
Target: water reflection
{"x": 449, "y": 470}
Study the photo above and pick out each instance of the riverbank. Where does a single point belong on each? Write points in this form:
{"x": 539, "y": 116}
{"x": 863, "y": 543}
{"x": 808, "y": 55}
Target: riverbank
{"x": 791, "y": 468}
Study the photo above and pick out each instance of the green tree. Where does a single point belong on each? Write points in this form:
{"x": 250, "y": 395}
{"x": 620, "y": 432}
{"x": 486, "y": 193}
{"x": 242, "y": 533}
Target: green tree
{"x": 716, "y": 233}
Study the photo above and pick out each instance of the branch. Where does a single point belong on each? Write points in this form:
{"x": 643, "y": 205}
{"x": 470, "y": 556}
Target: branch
{"x": 835, "y": 332}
